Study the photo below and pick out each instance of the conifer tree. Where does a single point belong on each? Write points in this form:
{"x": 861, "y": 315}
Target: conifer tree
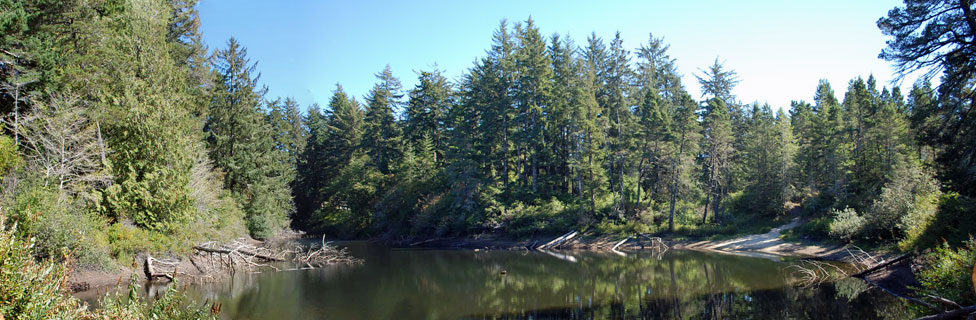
{"x": 382, "y": 134}
{"x": 242, "y": 143}
{"x": 533, "y": 67}
{"x": 426, "y": 113}
{"x": 717, "y": 152}
{"x": 289, "y": 127}
{"x": 717, "y": 135}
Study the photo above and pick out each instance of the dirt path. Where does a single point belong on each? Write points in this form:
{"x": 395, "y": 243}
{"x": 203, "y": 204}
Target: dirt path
{"x": 768, "y": 243}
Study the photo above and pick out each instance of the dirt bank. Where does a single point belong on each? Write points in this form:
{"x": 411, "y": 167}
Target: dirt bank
{"x": 768, "y": 243}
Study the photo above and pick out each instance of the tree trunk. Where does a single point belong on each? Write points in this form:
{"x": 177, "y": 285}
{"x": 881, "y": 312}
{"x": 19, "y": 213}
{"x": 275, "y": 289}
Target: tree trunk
{"x": 17, "y": 115}
{"x": 708, "y": 196}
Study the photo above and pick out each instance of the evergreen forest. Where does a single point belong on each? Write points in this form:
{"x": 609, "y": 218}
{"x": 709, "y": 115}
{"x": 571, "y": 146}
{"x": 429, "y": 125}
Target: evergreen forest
{"x": 123, "y": 133}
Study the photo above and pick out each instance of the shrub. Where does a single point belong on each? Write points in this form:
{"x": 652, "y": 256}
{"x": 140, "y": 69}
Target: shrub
{"x": 945, "y": 272}
{"x": 907, "y": 200}
{"x": 75, "y": 232}
{"x": 847, "y": 224}
{"x": 953, "y": 223}
{"x": 818, "y": 228}
{"x": 35, "y": 289}
{"x": 59, "y": 224}
{"x": 9, "y": 157}
{"x": 171, "y": 305}
{"x": 31, "y": 289}
{"x": 545, "y": 217}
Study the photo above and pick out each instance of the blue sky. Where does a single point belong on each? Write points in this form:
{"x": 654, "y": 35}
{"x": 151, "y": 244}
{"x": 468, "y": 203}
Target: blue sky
{"x": 779, "y": 48}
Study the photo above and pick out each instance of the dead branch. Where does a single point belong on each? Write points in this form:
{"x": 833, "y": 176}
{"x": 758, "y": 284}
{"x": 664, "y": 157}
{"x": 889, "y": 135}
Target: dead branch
{"x": 555, "y": 243}
{"x": 952, "y": 314}
{"x": 247, "y": 256}
{"x": 244, "y": 250}
{"x": 881, "y": 265}
{"x": 816, "y": 272}
{"x": 945, "y": 302}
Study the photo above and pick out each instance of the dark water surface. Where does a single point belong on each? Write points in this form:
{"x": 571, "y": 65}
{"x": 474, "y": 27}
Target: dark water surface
{"x": 466, "y": 284}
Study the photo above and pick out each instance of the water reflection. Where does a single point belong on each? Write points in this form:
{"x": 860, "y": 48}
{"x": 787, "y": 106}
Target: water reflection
{"x": 461, "y": 284}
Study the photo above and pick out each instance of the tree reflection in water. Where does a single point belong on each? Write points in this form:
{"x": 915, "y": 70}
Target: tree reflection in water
{"x": 462, "y": 284}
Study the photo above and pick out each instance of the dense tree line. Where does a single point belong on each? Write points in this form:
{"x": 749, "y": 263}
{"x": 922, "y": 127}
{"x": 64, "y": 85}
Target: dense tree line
{"x": 540, "y": 134}
{"x": 123, "y": 133}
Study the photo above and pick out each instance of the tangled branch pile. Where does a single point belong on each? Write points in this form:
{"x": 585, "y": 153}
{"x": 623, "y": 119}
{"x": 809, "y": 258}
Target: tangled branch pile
{"x": 240, "y": 255}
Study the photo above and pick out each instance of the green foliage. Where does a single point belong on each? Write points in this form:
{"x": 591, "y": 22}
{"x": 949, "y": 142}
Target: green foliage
{"x": 354, "y": 192}
{"x": 952, "y": 223}
{"x": 9, "y": 157}
{"x": 152, "y": 172}
{"x": 35, "y": 289}
{"x": 817, "y": 229}
{"x": 31, "y": 289}
{"x": 930, "y": 36}
{"x": 173, "y": 304}
{"x": 259, "y": 161}
{"x": 382, "y": 135}
{"x": 847, "y": 224}
{"x": 946, "y": 272}
{"x": 541, "y": 218}
{"x": 905, "y": 204}
{"x": 60, "y": 226}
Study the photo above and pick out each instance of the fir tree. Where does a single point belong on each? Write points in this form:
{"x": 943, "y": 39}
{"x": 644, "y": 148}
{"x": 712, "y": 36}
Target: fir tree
{"x": 382, "y": 135}
{"x": 242, "y": 143}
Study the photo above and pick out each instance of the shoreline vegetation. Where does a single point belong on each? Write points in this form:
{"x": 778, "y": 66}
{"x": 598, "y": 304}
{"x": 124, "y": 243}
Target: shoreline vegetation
{"x": 127, "y": 145}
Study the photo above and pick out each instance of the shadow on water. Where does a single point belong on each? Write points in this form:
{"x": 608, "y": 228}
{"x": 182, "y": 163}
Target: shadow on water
{"x": 464, "y": 284}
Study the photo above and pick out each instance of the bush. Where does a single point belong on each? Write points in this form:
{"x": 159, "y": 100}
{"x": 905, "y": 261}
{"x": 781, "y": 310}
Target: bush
{"x": 818, "y": 228}
{"x": 624, "y": 229}
{"x": 847, "y": 224}
{"x": 31, "y": 289}
{"x": 59, "y": 224}
{"x": 75, "y": 232}
{"x": 909, "y": 199}
{"x": 171, "y": 305}
{"x": 9, "y": 157}
{"x": 953, "y": 223}
{"x": 34, "y": 289}
{"x": 945, "y": 272}
{"x": 545, "y": 217}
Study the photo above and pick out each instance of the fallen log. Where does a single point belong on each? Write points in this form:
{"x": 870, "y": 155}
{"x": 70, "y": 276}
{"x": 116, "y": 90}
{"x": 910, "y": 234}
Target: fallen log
{"x": 153, "y": 273}
{"x": 909, "y": 299}
{"x": 559, "y": 240}
{"x": 881, "y": 266}
{"x": 619, "y": 244}
{"x": 429, "y": 241}
{"x": 223, "y": 250}
{"x": 951, "y": 314}
{"x": 655, "y": 241}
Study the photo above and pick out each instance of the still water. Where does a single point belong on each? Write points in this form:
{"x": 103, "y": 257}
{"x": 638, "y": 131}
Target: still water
{"x": 466, "y": 284}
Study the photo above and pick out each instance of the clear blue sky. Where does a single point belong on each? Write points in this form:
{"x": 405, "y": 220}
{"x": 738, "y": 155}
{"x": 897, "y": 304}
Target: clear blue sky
{"x": 779, "y": 48}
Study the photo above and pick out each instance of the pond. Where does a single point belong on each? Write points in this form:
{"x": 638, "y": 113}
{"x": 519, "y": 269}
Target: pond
{"x": 468, "y": 284}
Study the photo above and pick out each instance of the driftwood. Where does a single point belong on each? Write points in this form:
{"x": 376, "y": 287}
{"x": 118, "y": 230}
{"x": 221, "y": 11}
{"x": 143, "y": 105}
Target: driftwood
{"x": 881, "y": 266}
{"x": 429, "y": 241}
{"x": 240, "y": 255}
{"x": 555, "y": 243}
{"x": 656, "y": 242}
{"x": 909, "y": 299}
{"x": 619, "y": 244}
{"x": 952, "y": 314}
{"x": 241, "y": 249}
{"x": 155, "y": 269}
